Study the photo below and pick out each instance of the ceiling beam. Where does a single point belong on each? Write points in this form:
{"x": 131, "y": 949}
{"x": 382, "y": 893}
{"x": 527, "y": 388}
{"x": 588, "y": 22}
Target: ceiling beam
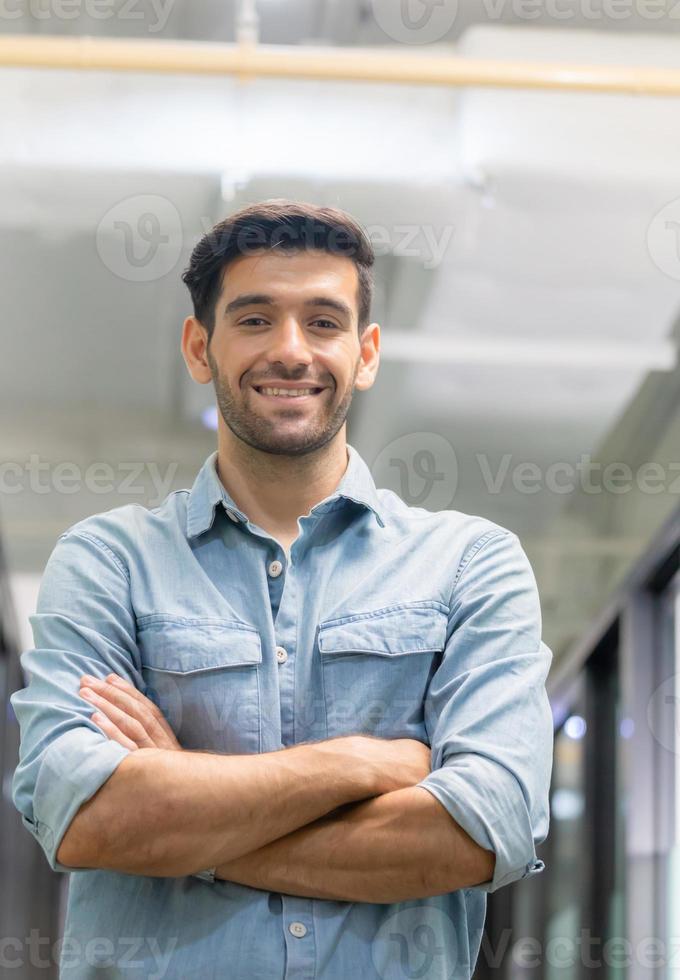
{"x": 249, "y": 60}
{"x": 429, "y": 348}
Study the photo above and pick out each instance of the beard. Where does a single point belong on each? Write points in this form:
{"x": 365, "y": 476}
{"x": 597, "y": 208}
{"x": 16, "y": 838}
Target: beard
{"x": 283, "y": 431}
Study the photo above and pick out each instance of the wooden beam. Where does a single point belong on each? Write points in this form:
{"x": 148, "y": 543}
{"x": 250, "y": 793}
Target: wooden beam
{"x": 374, "y": 65}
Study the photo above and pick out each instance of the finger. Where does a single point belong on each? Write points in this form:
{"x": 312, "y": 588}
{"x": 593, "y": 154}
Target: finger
{"x": 124, "y": 685}
{"x": 129, "y": 726}
{"x": 113, "y": 732}
{"x": 138, "y": 706}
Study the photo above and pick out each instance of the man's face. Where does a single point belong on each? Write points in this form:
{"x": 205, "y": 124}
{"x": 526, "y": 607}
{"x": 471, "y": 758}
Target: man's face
{"x": 289, "y": 318}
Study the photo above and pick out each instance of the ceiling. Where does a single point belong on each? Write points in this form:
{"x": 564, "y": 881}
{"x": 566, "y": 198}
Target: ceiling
{"x": 529, "y": 230}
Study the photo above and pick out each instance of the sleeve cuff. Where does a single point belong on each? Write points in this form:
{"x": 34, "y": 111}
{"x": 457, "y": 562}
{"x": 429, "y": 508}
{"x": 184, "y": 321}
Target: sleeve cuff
{"x": 74, "y": 767}
{"x": 461, "y": 787}
{"x": 208, "y": 876}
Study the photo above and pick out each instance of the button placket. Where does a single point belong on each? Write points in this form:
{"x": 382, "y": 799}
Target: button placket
{"x": 298, "y": 923}
{"x": 281, "y": 655}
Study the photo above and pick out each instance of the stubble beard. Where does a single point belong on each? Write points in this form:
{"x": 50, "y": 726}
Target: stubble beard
{"x": 275, "y": 433}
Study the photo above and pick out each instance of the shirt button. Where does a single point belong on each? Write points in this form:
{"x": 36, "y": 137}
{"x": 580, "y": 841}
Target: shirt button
{"x": 275, "y": 569}
{"x": 297, "y": 929}
{"x": 281, "y": 655}
{"x": 232, "y": 516}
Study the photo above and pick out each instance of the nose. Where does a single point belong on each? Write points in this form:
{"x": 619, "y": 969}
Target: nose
{"x": 288, "y": 343}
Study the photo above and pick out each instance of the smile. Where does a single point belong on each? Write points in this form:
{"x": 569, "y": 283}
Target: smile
{"x": 279, "y": 394}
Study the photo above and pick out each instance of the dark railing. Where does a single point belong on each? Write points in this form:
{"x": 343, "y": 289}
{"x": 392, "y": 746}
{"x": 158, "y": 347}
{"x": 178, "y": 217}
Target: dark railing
{"x": 31, "y": 894}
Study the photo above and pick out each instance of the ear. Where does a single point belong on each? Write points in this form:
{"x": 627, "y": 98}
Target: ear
{"x": 370, "y": 357}
{"x": 194, "y": 350}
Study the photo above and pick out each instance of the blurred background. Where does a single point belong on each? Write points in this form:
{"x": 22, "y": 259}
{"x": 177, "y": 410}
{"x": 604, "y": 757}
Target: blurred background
{"x": 528, "y": 289}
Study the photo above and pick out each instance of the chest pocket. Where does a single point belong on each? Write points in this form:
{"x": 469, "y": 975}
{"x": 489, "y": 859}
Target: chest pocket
{"x": 376, "y": 667}
{"x": 204, "y": 676}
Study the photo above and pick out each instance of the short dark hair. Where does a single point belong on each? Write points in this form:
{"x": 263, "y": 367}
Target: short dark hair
{"x": 290, "y": 226}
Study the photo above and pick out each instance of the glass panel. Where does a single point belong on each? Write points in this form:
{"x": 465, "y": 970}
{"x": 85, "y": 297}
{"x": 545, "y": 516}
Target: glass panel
{"x": 567, "y": 833}
{"x": 616, "y": 969}
{"x": 671, "y": 641}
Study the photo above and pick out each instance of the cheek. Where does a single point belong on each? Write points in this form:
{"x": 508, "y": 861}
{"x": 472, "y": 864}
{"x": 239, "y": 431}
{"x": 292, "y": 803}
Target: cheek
{"x": 343, "y": 368}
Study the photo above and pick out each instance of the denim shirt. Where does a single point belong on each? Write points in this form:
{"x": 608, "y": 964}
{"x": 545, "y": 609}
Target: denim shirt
{"x": 383, "y": 619}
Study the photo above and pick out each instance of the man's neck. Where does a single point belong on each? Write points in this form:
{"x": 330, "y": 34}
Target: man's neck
{"x": 274, "y": 491}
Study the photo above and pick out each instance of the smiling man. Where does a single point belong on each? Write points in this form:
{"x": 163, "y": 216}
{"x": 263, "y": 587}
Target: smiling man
{"x": 320, "y": 731}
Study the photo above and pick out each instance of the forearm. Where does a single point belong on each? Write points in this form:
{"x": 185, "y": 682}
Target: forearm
{"x": 168, "y": 814}
{"x": 399, "y": 846}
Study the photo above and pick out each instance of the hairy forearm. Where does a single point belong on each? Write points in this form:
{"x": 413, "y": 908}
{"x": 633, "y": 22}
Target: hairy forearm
{"x": 399, "y": 846}
{"x": 168, "y": 814}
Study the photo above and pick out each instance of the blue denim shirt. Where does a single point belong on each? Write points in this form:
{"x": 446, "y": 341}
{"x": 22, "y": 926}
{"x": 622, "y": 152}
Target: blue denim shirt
{"x": 395, "y": 621}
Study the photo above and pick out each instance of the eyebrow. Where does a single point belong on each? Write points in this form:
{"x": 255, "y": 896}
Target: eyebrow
{"x": 262, "y": 299}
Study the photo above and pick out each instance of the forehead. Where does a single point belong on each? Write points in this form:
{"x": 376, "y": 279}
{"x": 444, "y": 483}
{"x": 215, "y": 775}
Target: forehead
{"x": 291, "y": 276}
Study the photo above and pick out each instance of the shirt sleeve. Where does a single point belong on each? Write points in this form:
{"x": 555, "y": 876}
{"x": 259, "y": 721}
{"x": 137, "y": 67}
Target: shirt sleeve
{"x": 84, "y": 623}
{"x": 487, "y": 712}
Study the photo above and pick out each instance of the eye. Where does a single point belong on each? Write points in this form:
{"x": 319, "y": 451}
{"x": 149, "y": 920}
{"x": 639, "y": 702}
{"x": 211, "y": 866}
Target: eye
{"x": 327, "y": 323}
{"x": 257, "y": 320}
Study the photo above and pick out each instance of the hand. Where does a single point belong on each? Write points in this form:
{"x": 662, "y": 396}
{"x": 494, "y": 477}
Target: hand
{"x": 396, "y": 763}
{"x": 126, "y": 715}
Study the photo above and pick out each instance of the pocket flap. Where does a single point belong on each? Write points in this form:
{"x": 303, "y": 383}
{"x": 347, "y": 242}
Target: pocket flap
{"x": 387, "y": 632}
{"x": 188, "y": 645}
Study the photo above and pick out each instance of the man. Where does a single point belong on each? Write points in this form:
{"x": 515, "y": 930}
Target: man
{"x": 321, "y": 733}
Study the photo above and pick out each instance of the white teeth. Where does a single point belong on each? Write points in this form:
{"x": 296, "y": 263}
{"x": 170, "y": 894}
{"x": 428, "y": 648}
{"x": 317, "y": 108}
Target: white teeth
{"x": 287, "y": 394}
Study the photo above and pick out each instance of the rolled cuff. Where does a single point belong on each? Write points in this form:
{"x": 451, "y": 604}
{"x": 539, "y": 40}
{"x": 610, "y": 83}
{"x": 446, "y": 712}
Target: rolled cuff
{"x": 486, "y": 800}
{"x": 208, "y": 876}
{"x": 74, "y": 767}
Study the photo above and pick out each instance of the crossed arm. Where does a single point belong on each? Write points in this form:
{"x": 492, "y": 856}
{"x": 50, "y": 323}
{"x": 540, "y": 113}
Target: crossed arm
{"x": 398, "y": 846}
{"x": 371, "y": 835}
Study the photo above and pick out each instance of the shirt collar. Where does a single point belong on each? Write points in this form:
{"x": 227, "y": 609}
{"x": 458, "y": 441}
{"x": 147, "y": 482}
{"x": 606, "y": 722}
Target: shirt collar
{"x": 208, "y": 491}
